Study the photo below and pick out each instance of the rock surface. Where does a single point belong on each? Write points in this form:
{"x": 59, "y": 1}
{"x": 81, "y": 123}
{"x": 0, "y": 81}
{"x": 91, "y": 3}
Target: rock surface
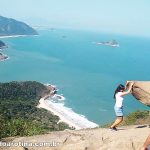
{"x": 141, "y": 91}
{"x": 126, "y": 138}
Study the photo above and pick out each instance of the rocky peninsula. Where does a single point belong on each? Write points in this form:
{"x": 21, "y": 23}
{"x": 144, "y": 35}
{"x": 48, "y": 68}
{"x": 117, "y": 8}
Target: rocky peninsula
{"x": 3, "y": 57}
{"x": 2, "y": 45}
{"x": 12, "y": 28}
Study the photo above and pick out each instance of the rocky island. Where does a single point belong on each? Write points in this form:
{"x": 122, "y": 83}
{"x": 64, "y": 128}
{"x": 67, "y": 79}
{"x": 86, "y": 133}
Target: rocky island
{"x": 112, "y": 43}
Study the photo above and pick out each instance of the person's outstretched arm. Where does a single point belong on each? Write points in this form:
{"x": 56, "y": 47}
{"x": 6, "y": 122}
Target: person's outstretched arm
{"x": 146, "y": 143}
{"x": 129, "y": 88}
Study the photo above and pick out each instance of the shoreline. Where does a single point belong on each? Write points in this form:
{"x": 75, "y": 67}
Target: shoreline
{"x": 3, "y": 57}
{"x": 14, "y": 36}
{"x": 43, "y": 103}
{"x": 74, "y": 120}
{"x": 3, "y": 47}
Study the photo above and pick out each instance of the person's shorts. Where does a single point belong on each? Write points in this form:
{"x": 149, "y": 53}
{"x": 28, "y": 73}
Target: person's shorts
{"x": 118, "y": 111}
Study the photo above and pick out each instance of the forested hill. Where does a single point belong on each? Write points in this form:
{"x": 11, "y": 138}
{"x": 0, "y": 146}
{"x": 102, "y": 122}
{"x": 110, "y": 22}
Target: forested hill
{"x": 28, "y": 90}
{"x": 19, "y": 115}
{"x": 9, "y": 26}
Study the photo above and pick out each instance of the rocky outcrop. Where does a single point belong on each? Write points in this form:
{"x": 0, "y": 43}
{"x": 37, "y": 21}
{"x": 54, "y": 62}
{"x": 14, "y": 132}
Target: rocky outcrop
{"x": 126, "y": 138}
{"x": 2, "y": 45}
{"x": 141, "y": 91}
{"x": 3, "y": 57}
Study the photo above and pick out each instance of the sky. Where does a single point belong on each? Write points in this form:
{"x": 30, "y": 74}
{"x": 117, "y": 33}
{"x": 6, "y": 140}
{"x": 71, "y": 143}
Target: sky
{"x": 130, "y": 17}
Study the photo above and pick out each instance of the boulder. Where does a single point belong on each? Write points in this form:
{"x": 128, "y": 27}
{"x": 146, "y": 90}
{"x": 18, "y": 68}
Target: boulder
{"x": 141, "y": 91}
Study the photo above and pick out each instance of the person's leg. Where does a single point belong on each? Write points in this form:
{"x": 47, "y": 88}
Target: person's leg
{"x": 119, "y": 114}
{"x": 117, "y": 121}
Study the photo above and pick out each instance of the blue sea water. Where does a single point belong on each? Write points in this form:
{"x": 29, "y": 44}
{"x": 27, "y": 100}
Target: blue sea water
{"x": 86, "y": 73}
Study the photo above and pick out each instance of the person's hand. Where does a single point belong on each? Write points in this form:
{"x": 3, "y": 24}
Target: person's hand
{"x": 131, "y": 82}
{"x": 127, "y": 83}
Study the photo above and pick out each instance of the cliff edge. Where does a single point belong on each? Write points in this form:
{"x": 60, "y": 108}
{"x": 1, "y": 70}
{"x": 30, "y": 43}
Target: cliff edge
{"x": 126, "y": 138}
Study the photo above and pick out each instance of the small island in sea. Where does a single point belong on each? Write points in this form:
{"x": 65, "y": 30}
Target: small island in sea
{"x": 112, "y": 43}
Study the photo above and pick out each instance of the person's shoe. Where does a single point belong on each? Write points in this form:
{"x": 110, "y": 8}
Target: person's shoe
{"x": 113, "y": 129}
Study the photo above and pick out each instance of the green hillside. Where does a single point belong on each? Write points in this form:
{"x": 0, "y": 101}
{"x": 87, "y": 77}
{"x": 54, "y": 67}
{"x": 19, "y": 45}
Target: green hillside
{"x": 19, "y": 115}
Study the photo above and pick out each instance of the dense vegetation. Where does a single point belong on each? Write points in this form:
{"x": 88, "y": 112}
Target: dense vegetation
{"x": 135, "y": 118}
{"x": 29, "y": 90}
{"x": 10, "y": 26}
{"x": 19, "y": 115}
{"x": 138, "y": 117}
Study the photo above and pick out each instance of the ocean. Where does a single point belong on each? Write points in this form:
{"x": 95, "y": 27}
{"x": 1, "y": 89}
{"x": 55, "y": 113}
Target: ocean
{"x": 85, "y": 73}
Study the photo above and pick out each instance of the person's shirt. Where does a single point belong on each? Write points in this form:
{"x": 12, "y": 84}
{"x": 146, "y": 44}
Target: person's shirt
{"x": 119, "y": 99}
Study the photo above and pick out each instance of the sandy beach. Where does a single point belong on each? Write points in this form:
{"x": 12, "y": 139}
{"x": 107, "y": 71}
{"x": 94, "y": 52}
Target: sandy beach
{"x": 14, "y": 36}
{"x": 43, "y": 103}
{"x": 65, "y": 114}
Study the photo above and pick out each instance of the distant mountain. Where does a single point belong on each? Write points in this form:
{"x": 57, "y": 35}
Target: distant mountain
{"x": 9, "y": 26}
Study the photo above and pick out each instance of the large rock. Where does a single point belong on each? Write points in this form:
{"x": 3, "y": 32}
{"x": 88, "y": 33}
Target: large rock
{"x": 141, "y": 91}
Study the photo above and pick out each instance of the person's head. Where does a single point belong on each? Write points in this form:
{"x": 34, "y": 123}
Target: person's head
{"x": 120, "y": 88}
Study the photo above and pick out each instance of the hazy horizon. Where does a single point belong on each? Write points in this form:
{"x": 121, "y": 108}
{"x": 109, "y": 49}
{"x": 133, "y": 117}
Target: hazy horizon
{"x": 119, "y": 17}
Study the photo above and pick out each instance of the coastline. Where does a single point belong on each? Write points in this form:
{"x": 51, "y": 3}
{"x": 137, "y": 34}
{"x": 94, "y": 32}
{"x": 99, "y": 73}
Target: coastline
{"x": 14, "y": 36}
{"x": 43, "y": 103}
{"x": 3, "y": 57}
{"x": 78, "y": 122}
